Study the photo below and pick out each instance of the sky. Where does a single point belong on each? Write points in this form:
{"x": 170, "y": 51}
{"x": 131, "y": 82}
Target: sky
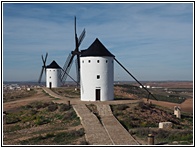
{"x": 154, "y": 41}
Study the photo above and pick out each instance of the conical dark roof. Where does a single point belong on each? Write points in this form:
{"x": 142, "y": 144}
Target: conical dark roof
{"x": 96, "y": 49}
{"x": 53, "y": 65}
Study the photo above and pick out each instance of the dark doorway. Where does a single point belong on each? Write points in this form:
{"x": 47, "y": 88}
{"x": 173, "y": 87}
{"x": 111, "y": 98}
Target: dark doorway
{"x": 50, "y": 85}
{"x": 97, "y": 94}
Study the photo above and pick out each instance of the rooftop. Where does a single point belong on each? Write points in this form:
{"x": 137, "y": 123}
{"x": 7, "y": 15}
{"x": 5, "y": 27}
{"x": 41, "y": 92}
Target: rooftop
{"x": 96, "y": 49}
{"x": 53, "y": 65}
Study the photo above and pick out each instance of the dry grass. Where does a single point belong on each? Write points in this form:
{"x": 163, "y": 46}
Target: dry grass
{"x": 135, "y": 117}
{"x": 43, "y": 123}
{"x": 69, "y": 92}
{"x": 9, "y": 96}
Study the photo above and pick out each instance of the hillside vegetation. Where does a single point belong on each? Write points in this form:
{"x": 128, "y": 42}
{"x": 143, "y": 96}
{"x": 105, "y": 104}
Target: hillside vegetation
{"x": 45, "y": 123}
{"x": 140, "y": 119}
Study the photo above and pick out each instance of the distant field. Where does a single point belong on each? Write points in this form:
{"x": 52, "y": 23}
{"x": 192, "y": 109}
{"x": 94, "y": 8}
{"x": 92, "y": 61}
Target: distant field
{"x": 176, "y": 92}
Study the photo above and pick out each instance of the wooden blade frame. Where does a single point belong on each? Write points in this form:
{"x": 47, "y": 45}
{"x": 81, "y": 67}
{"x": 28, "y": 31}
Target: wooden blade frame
{"x": 43, "y": 67}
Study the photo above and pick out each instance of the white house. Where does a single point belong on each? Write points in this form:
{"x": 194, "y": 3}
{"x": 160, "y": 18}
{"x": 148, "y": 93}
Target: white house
{"x": 53, "y": 75}
{"x": 96, "y": 73}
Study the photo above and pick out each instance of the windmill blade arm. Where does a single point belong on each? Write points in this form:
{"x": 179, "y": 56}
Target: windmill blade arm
{"x": 43, "y": 59}
{"x": 67, "y": 67}
{"x": 81, "y": 37}
{"x": 70, "y": 61}
{"x": 46, "y": 57}
{"x": 76, "y": 38}
{"x": 70, "y": 77}
{"x": 64, "y": 77}
{"x": 135, "y": 79}
{"x": 40, "y": 77}
{"x": 67, "y": 62}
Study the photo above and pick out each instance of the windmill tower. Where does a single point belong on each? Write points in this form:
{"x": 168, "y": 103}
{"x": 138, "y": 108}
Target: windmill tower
{"x": 96, "y": 73}
{"x": 53, "y": 72}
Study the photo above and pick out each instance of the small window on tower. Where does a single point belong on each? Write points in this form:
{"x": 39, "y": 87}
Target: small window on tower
{"x": 83, "y": 61}
{"x": 50, "y": 77}
{"x": 97, "y": 61}
{"x": 98, "y": 76}
{"x": 89, "y": 61}
{"x": 106, "y": 61}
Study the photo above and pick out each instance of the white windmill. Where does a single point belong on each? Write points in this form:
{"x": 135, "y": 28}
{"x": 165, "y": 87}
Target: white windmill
{"x": 52, "y": 73}
{"x": 97, "y": 73}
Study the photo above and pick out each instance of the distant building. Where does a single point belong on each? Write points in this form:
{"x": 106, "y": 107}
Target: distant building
{"x": 145, "y": 86}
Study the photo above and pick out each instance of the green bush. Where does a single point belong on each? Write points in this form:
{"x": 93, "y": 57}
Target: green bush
{"x": 63, "y": 107}
{"x": 162, "y": 135}
{"x": 40, "y": 120}
{"x": 122, "y": 106}
{"x": 66, "y": 137}
{"x": 52, "y": 107}
{"x": 33, "y": 111}
{"x": 11, "y": 118}
{"x": 69, "y": 115}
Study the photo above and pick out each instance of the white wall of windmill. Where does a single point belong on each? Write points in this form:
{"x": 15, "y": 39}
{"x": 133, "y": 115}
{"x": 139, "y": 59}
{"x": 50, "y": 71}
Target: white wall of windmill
{"x": 52, "y": 78}
{"x": 97, "y": 76}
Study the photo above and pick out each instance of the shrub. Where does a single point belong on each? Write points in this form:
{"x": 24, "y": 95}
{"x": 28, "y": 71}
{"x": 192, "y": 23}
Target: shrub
{"x": 49, "y": 135}
{"x": 64, "y": 107}
{"x": 36, "y": 104}
{"x": 79, "y": 132}
{"x": 52, "y": 107}
{"x": 69, "y": 115}
{"x": 83, "y": 143}
{"x": 122, "y": 106}
{"x": 40, "y": 120}
{"x": 142, "y": 105}
{"x": 67, "y": 137}
{"x": 11, "y": 119}
{"x": 45, "y": 104}
{"x": 162, "y": 135}
{"x": 33, "y": 111}
{"x": 27, "y": 107}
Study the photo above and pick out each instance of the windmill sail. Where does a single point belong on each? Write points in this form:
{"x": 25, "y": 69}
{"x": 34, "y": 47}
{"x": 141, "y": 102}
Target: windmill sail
{"x": 81, "y": 37}
{"x": 40, "y": 77}
{"x": 43, "y": 67}
{"x": 66, "y": 68}
{"x": 76, "y": 52}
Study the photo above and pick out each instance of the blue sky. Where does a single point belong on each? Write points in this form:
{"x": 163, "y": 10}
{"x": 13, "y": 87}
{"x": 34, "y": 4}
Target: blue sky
{"x": 154, "y": 41}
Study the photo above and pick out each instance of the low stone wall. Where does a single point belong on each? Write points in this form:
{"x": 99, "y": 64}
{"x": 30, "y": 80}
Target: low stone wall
{"x": 165, "y": 125}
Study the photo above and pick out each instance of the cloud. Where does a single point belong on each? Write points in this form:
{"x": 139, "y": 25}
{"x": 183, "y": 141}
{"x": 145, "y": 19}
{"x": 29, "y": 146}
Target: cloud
{"x": 139, "y": 34}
